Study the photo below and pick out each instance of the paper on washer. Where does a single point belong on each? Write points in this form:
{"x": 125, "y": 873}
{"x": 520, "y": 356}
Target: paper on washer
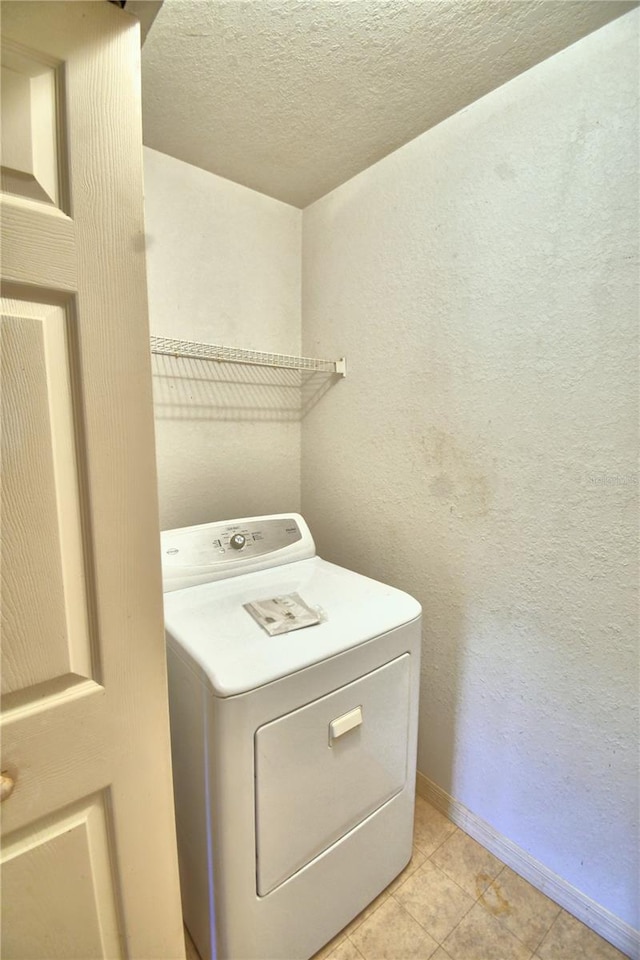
{"x": 282, "y": 614}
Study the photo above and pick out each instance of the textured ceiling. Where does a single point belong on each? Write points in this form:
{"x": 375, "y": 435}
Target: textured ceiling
{"x": 293, "y": 97}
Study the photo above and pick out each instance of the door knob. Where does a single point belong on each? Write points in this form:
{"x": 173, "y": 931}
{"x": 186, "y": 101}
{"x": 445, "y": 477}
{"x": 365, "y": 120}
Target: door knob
{"x": 7, "y": 784}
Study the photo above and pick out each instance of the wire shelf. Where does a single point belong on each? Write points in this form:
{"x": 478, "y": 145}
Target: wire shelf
{"x": 210, "y": 351}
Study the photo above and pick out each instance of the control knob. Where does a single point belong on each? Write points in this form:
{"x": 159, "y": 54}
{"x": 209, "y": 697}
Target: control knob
{"x": 237, "y": 541}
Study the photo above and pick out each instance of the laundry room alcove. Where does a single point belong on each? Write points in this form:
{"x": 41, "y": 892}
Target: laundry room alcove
{"x": 479, "y": 272}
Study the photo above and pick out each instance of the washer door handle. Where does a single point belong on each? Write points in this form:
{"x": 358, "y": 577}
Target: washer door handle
{"x": 342, "y": 725}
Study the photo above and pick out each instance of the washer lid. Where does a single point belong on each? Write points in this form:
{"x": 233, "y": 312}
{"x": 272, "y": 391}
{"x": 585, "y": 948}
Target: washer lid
{"x": 221, "y": 638}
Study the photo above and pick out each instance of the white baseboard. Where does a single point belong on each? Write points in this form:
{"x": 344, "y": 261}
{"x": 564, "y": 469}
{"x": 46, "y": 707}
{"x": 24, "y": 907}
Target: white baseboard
{"x": 602, "y": 921}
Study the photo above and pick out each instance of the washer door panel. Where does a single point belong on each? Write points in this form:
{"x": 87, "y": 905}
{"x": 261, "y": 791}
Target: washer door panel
{"x": 323, "y": 768}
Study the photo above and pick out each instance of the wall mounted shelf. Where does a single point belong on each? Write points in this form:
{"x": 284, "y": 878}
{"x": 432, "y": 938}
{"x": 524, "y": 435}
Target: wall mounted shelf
{"x": 209, "y": 351}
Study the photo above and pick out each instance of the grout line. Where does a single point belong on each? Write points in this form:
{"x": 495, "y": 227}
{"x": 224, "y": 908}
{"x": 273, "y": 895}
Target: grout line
{"x": 456, "y": 925}
{"x": 368, "y": 917}
{"x": 441, "y": 942}
{"x": 501, "y": 921}
{"x": 355, "y": 948}
{"x": 548, "y": 930}
{"x": 442, "y": 842}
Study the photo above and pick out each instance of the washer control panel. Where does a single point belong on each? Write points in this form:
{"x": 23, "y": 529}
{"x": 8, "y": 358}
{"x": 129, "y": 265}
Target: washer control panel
{"x": 211, "y": 551}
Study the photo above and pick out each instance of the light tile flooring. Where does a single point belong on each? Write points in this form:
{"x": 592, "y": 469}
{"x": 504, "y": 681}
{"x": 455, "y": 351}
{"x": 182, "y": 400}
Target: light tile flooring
{"x": 456, "y": 901}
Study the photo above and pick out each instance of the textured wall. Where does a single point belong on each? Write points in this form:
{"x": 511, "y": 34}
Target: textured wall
{"x": 482, "y": 451}
{"x": 223, "y": 267}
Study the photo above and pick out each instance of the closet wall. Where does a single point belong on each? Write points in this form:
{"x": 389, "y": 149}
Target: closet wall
{"x": 224, "y": 267}
{"x": 482, "y": 452}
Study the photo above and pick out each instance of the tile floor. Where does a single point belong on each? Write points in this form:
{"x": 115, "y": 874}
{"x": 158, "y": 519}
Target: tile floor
{"x": 456, "y": 901}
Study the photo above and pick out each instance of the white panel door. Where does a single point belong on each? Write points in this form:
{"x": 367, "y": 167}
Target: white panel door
{"x": 89, "y": 866}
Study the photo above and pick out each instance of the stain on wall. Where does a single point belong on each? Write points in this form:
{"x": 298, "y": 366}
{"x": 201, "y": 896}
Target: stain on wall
{"x": 453, "y": 478}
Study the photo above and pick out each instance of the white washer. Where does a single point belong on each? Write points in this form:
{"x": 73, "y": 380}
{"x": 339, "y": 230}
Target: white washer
{"x": 288, "y": 823}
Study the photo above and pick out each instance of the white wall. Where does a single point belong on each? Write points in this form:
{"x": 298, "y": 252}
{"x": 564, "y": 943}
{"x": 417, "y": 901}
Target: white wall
{"x": 224, "y": 267}
{"x": 482, "y": 452}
